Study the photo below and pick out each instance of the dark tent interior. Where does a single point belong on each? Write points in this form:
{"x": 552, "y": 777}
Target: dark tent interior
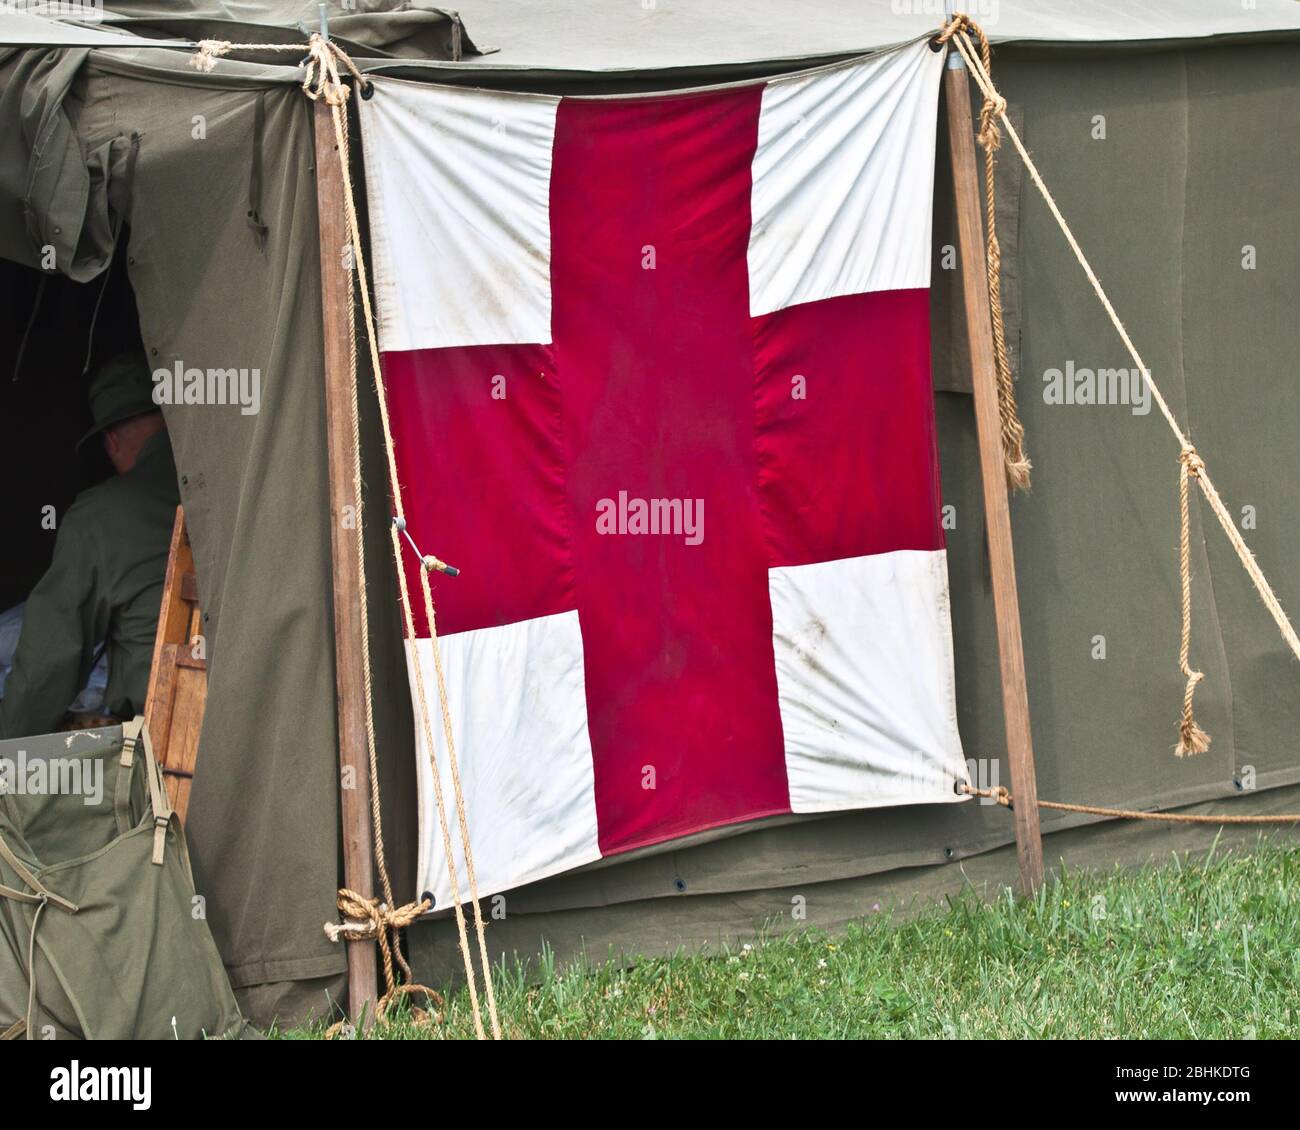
{"x": 54, "y": 332}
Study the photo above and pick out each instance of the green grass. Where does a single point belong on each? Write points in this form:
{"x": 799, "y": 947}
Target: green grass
{"x": 1184, "y": 949}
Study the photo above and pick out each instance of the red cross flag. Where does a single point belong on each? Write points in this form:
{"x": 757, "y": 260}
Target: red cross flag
{"x": 659, "y": 371}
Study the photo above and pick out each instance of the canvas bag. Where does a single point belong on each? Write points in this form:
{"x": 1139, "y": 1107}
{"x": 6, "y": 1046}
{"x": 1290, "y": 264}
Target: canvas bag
{"x": 101, "y": 935}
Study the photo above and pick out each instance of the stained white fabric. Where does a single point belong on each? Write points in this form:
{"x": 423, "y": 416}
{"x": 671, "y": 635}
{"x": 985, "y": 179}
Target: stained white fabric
{"x": 843, "y": 181}
{"x": 459, "y": 188}
{"x": 519, "y": 712}
{"x": 864, "y": 674}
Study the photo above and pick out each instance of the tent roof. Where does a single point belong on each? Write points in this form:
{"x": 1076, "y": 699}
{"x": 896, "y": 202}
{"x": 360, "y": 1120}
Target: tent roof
{"x": 592, "y": 36}
{"x": 579, "y": 35}
{"x": 25, "y": 29}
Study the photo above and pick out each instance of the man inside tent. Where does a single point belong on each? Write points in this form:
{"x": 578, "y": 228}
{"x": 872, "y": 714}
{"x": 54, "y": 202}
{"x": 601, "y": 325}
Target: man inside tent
{"x": 101, "y": 594}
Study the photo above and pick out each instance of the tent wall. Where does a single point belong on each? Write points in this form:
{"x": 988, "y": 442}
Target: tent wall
{"x": 705, "y": 917}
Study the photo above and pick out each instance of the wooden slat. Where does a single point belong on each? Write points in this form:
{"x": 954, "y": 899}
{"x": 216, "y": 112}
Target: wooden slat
{"x": 183, "y": 737}
{"x": 160, "y": 704}
{"x": 997, "y": 512}
{"x": 177, "y": 692}
{"x": 336, "y": 305}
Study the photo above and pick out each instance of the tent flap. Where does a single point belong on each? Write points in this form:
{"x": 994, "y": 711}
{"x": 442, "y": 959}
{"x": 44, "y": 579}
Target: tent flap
{"x": 67, "y": 219}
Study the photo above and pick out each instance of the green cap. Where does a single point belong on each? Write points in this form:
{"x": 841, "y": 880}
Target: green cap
{"x": 120, "y": 389}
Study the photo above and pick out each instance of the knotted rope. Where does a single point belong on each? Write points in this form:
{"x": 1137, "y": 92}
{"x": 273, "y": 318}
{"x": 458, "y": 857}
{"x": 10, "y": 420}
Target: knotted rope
{"x": 369, "y": 918}
{"x": 1016, "y": 462}
{"x": 325, "y": 63}
{"x": 1191, "y": 738}
{"x": 1003, "y": 796}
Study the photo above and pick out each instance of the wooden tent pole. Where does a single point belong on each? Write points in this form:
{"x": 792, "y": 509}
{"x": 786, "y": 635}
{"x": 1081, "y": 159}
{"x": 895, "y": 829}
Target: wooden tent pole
{"x": 997, "y": 512}
{"x": 354, "y": 792}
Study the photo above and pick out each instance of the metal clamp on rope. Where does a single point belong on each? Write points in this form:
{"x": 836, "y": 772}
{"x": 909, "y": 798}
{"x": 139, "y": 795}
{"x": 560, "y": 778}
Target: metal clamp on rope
{"x": 430, "y": 563}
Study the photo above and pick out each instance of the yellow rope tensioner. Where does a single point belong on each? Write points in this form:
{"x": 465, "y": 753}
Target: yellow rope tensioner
{"x": 1015, "y": 461}
{"x": 1191, "y": 738}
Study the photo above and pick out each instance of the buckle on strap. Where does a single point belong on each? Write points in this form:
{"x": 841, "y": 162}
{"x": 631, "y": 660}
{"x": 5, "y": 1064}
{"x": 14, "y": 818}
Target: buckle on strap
{"x": 160, "y": 826}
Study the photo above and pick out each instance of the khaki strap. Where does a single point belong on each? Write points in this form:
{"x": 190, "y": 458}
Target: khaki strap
{"x": 163, "y": 810}
{"x": 43, "y": 898}
{"x": 17, "y": 896}
{"x": 31, "y": 968}
{"x": 122, "y": 788}
{"x": 43, "y": 893}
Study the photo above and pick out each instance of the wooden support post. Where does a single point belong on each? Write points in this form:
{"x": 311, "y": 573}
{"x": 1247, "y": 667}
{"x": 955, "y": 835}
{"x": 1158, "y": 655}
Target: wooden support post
{"x": 997, "y": 512}
{"x": 336, "y": 305}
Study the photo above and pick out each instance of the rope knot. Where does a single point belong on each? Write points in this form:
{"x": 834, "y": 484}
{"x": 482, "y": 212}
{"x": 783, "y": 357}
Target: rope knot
{"x": 999, "y": 793}
{"x": 208, "y": 52}
{"x": 371, "y": 918}
{"x": 1191, "y": 461}
{"x": 325, "y": 63}
{"x": 959, "y": 21}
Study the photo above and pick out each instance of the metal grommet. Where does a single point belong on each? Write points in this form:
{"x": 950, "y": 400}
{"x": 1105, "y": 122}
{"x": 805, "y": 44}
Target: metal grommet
{"x": 679, "y": 885}
{"x": 427, "y": 896}
{"x": 367, "y": 91}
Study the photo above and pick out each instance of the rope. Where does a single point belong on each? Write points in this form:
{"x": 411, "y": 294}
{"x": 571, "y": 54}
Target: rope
{"x": 324, "y": 63}
{"x": 395, "y": 487}
{"x": 1014, "y": 459}
{"x": 387, "y": 932}
{"x": 1192, "y": 739}
{"x": 371, "y": 919}
{"x": 1003, "y": 796}
{"x": 323, "y": 79}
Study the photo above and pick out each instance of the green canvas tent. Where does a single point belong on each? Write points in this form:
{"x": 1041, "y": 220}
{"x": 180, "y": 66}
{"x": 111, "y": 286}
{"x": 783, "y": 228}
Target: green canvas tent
{"x": 182, "y": 207}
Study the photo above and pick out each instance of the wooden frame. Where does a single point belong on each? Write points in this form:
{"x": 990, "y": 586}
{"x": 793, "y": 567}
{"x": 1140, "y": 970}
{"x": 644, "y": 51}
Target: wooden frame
{"x": 354, "y": 765}
{"x": 997, "y": 511}
{"x": 178, "y": 676}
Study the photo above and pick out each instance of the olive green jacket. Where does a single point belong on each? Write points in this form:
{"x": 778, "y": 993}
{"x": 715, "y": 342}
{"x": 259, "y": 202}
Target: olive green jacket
{"x": 103, "y": 586}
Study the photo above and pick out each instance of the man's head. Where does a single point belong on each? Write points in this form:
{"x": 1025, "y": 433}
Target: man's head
{"x": 123, "y": 440}
{"x": 123, "y": 409}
